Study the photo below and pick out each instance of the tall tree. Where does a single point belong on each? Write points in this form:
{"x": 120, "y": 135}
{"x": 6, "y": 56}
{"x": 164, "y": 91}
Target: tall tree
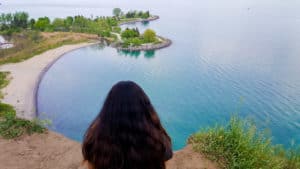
{"x": 31, "y": 23}
{"x": 42, "y": 23}
{"x": 20, "y": 20}
{"x": 117, "y": 12}
{"x": 149, "y": 36}
{"x": 59, "y": 24}
{"x": 69, "y": 21}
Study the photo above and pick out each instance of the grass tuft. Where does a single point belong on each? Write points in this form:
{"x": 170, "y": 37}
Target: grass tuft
{"x": 10, "y": 125}
{"x": 239, "y": 145}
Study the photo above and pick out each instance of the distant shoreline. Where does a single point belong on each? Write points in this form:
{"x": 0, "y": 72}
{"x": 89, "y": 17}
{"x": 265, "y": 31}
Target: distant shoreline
{"x": 152, "y": 18}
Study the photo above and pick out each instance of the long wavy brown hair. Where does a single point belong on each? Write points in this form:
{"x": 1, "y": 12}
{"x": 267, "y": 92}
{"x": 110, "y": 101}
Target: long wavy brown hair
{"x": 127, "y": 133}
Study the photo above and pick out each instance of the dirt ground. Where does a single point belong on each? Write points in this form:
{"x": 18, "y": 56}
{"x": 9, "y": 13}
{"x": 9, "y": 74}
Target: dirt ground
{"x": 54, "y": 151}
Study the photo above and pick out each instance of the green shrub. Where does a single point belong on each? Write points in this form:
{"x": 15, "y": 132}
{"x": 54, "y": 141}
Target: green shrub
{"x": 134, "y": 41}
{"x": 3, "y": 79}
{"x": 12, "y": 127}
{"x": 130, "y": 33}
{"x": 292, "y": 158}
{"x": 149, "y": 36}
{"x": 239, "y": 145}
{"x": 116, "y": 29}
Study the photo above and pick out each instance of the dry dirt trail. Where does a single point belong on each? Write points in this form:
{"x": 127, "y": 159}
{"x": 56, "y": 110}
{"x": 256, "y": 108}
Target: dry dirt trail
{"x": 54, "y": 151}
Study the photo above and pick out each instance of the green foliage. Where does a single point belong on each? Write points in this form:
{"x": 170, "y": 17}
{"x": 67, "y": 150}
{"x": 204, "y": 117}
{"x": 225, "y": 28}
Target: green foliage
{"x": 144, "y": 15}
{"x": 149, "y": 36}
{"x": 42, "y": 24}
{"x": 59, "y": 24}
{"x": 137, "y": 14}
{"x": 104, "y": 33}
{"x": 31, "y": 23}
{"x": 132, "y": 37}
{"x": 16, "y": 20}
{"x": 130, "y": 33}
{"x": 10, "y": 23}
{"x": 117, "y": 12}
{"x": 240, "y": 145}
{"x": 100, "y": 26}
{"x": 116, "y": 29}
{"x": 112, "y": 21}
{"x": 20, "y": 19}
{"x": 3, "y": 79}
{"x": 12, "y": 127}
{"x": 130, "y": 14}
{"x": 136, "y": 41}
{"x": 69, "y": 21}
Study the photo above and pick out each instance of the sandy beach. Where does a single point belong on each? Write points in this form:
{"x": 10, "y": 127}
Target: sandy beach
{"x": 25, "y": 76}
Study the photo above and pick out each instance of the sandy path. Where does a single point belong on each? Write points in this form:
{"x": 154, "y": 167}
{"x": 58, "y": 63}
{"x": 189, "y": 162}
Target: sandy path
{"x": 25, "y": 75}
{"x": 54, "y": 151}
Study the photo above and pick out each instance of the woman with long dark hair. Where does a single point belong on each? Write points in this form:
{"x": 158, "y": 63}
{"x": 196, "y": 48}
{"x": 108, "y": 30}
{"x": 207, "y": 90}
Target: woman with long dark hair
{"x": 127, "y": 133}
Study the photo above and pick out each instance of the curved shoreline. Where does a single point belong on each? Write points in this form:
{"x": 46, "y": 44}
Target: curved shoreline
{"x": 26, "y": 76}
{"x": 45, "y": 70}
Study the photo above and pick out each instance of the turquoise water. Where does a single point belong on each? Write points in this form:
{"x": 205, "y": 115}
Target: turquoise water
{"x": 227, "y": 57}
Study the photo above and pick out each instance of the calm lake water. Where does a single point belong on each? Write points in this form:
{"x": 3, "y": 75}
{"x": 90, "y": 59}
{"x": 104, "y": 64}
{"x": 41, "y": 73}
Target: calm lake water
{"x": 234, "y": 57}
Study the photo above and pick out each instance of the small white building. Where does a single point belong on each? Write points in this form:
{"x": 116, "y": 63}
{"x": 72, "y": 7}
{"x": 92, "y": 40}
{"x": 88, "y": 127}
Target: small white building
{"x": 4, "y": 44}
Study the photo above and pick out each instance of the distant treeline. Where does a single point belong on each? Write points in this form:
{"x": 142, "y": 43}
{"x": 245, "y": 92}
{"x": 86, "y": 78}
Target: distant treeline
{"x": 102, "y": 26}
{"x": 136, "y": 14}
{"x": 131, "y": 14}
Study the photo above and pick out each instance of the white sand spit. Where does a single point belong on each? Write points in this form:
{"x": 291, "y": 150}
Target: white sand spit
{"x": 25, "y": 76}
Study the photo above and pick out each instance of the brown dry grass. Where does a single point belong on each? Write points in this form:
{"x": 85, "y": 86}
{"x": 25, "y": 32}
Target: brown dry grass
{"x": 29, "y": 43}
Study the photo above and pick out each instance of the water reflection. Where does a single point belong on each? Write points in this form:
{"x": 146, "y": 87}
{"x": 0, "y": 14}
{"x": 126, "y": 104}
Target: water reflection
{"x": 134, "y": 54}
{"x": 147, "y": 54}
{"x": 99, "y": 46}
{"x": 145, "y": 23}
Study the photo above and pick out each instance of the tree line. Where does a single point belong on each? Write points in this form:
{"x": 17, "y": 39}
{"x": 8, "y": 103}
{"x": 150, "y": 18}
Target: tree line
{"x": 133, "y": 37}
{"x": 131, "y": 14}
{"x": 18, "y": 21}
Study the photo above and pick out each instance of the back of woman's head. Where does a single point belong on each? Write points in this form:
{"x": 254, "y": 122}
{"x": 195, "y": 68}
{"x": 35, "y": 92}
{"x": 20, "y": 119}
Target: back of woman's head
{"x": 127, "y": 133}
